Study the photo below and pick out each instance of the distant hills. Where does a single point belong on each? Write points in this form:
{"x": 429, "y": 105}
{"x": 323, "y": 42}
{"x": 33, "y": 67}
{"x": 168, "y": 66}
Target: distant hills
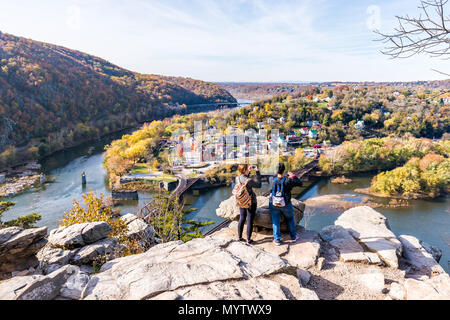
{"x": 52, "y": 97}
{"x": 260, "y": 91}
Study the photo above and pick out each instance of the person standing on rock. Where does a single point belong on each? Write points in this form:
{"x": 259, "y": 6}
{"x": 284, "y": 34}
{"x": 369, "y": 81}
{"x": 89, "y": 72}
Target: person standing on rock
{"x": 280, "y": 203}
{"x": 246, "y": 198}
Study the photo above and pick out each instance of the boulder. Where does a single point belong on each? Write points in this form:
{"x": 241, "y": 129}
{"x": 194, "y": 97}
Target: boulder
{"x": 36, "y": 287}
{"x": 79, "y": 235}
{"x": 175, "y": 265}
{"x": 105, "y": 249}
{"x": 139, "y": 230}
{"x": 371, "y": 229}
{"x": 421, "y": 260}
{"x": 349, "y": 249}
{"x": 228, "y": 210}
{"x": 18, "y": 248}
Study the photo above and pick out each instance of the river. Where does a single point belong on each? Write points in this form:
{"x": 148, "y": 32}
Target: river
{"x": 427, "y": 220}
{"x": 63, "y": 170}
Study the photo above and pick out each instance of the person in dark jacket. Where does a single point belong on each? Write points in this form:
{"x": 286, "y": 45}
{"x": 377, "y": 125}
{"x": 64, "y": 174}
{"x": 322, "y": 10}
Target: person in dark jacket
{"x": 248, "y": 214}
{"x": 289, "y": 183}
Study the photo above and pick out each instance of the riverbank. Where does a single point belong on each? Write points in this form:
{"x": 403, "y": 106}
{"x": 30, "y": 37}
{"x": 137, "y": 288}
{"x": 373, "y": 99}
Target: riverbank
{"x": 413, "y": 196}
{"x": 18, "y": 185}
{"x": 17, "y": 180}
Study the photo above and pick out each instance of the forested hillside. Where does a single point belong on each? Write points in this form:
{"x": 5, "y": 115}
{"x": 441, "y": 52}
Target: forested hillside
{"x": 53, "y": 97}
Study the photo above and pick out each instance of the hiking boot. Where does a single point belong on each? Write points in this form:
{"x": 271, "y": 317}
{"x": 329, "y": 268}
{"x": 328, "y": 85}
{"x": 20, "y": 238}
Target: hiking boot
{"x": 277, "y": 243}
{"x": 250, "y": 241}
{"x": 297, "y": 237}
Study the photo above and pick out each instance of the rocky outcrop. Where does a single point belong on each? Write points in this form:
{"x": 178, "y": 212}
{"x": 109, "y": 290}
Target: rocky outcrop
{"x": 79, "y": 235}
{"x": 370, "y": 228}
{"x": 74, "y": 286}
{"x": 18, "y": 248}
{"x": 253, "y": 289}
{"x": 79, "y": 244}
{"x": 229, "y": 210}
{"x": 168, "y": 268}
{"x": 107, "y": 249}
{"x": 36, "y": 287}
{"x": 335, "y": 263}
{"x": 302, "y": 254}
{"x": 421, "y": 260}
{"x": 349, "y": 249}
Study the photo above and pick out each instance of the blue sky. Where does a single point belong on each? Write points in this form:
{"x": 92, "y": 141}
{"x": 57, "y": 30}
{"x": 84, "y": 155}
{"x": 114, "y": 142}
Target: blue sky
{"x": 227, "y": 40}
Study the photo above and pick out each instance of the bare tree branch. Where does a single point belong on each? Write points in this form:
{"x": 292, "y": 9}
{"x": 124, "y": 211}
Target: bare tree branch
{"x": 427, "y": 34}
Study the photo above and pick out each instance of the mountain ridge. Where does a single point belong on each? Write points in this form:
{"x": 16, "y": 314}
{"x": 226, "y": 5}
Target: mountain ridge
{"x": 55, "y": 96}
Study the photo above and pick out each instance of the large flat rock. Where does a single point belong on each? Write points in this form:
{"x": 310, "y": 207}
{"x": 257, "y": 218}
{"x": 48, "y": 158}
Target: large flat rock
{"x": 349, "y": 249}
{"x": 175, "y": 265}
{"x": 371, "y": 229}
{"x": 79, "y": 235}
{"x": 36, "y": 287}
{"x": 302, "y": 254}
{"x": 253, "y": 289}
{"x": 228, "y": 210}
{"x": 305, "y": 252}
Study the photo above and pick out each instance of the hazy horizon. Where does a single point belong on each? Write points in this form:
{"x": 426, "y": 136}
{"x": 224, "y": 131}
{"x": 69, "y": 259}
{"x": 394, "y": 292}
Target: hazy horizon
{"x": 245, "y": 41}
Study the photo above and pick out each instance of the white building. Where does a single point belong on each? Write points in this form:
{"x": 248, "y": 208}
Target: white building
{"x": 360, "y": 125}
{"x": 312, "y": 134}
{"x": 304, "y": 131}
{"x": 271, "y": 121}
{"x": 446, "y": 100}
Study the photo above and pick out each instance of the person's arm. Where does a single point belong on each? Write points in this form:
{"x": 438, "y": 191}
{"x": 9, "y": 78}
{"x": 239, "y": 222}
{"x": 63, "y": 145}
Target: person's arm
{"x": 293, "y": 181}
{"x": 255, "y": 184}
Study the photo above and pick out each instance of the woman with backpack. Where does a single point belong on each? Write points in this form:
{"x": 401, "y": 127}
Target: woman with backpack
{"x": 246, "y": 198}
{"x": 280, "y": 203}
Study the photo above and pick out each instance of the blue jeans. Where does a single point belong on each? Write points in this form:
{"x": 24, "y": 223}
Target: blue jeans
{"x": 288, "y": 212}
